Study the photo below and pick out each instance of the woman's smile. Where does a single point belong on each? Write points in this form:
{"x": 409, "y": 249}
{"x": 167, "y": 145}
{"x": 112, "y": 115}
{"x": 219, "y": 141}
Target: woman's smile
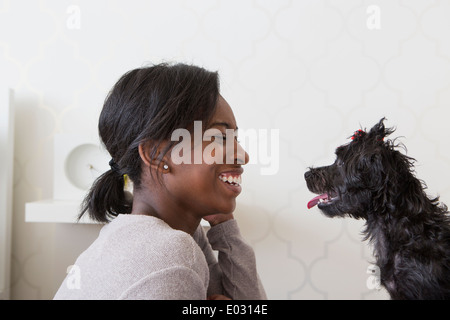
{"x": 232, "y": 180}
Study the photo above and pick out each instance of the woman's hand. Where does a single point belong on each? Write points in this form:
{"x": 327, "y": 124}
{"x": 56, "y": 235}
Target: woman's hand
{"x": 216, "y": 219}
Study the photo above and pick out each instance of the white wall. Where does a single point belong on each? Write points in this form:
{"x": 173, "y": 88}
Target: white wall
{"x": 315, "y": 70}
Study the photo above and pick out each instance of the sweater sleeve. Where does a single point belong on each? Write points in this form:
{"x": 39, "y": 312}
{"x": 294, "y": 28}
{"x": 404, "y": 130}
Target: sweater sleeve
{"x": 234, "y": 274}
{"x": 175, "y": 283}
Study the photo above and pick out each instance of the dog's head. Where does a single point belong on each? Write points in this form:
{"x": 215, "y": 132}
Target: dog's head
{"x": 368, "y": 175}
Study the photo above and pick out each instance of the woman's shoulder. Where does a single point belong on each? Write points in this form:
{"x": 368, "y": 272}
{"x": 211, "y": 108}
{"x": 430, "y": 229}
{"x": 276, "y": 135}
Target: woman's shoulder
{"x": 151, "y": 238}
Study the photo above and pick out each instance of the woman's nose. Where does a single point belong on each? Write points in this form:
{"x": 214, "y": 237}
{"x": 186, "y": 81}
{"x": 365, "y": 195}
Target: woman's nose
{"x": 242, "y": 156}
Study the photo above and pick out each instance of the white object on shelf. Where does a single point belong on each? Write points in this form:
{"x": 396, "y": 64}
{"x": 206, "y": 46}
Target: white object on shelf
{"x": 78, "y": 161}
{"x": 6, "y": 188}
{"x": 59, "y": 211}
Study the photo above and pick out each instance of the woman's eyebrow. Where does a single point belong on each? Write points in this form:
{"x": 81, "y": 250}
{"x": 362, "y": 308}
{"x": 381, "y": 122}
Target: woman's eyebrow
{"x": 223, "y": 124}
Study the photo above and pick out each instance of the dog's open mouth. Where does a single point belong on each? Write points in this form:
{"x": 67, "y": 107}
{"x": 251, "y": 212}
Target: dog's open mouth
{"x": 323, "y": 199}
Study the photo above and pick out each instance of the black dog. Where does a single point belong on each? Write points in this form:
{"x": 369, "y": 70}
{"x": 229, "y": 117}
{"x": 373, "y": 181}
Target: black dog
{"x": 410, "y": 232}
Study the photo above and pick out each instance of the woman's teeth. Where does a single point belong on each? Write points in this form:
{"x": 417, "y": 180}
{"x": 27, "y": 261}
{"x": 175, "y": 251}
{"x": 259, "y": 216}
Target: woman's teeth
{"x": 236, "y": 180}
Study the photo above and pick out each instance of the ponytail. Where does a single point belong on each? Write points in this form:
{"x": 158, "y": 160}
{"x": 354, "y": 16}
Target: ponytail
{"x": 107, "y": 197}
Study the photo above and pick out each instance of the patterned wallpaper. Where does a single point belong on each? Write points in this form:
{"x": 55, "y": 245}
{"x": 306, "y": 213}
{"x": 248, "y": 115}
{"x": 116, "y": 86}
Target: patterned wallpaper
{"x": 315, "y": 70}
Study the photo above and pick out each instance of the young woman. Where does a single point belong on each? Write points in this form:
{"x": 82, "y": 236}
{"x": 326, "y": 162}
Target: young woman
{"x": 153, "y": 246}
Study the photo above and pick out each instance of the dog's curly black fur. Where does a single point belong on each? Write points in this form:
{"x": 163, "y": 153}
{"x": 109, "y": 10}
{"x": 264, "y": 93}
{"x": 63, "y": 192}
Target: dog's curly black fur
{"x": 410, "y": 232}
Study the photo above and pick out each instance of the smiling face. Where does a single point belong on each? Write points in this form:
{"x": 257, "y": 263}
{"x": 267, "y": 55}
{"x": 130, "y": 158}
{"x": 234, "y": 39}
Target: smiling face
{"x": 211, "y": 186}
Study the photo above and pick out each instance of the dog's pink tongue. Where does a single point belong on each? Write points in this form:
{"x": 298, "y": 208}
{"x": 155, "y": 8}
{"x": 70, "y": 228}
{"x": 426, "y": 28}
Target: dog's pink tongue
{"x": 316, "y": 200}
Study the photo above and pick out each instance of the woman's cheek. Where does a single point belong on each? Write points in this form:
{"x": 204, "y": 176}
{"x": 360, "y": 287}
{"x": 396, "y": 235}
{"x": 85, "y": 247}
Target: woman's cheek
{"x": 213, "y": 153}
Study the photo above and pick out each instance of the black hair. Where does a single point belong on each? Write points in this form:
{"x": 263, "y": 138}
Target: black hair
{"x": 145, "y": 106}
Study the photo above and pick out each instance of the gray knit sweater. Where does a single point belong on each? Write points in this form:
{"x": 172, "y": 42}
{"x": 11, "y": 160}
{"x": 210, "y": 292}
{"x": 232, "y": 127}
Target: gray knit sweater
{"x": 141, "y": 257}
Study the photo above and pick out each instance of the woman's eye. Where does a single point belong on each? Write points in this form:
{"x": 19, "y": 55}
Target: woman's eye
{"x": 223, "y": 138}
{"x": 220, "y": 138}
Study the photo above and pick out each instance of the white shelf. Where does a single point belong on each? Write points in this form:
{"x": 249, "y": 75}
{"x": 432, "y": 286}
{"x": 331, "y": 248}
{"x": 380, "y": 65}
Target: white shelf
{"x": 57, "y": 211}
{"x": 60, "y": 211}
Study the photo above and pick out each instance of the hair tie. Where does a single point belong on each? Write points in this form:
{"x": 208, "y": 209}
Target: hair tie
{"x": 358, "y": 134}
{"x": 114, "y": 166}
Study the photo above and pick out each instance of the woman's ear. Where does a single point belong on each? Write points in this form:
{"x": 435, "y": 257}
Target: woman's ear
{"x": 154, "y": 159}
{"x": 144, "y": 154}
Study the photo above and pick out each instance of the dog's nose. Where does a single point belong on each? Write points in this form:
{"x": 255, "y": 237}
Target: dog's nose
{"x": 307, "y": 175}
